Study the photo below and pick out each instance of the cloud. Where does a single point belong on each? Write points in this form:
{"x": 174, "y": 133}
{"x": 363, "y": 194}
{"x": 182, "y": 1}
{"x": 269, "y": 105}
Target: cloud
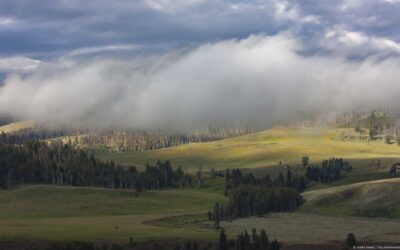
{"x": 172, "y": 6}
{"x": 18, "y": 64}
{"x": 352, "y": 43}
{"x": 6, "y": 21}
{"x": 258, "y": 79}
{"x": 99, "y": 49}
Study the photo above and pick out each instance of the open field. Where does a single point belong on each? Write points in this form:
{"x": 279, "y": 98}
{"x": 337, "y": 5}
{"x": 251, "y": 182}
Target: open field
{"x": 310, "y": 228}
{"x": 265, "y": 148}
{"x": 70, "y": 213}
{"x": 380, "y": 198}
{"x": 39, "y": 212}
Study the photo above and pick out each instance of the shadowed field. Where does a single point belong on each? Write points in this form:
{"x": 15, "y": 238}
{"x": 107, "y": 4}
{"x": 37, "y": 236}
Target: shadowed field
{"x": 65, "y": 213}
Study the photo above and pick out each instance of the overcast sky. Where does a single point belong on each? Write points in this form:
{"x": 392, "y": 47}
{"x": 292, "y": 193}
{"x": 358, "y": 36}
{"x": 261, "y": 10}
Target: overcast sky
{"x": 121, "y": 53}
{"x": 47, "y": 29}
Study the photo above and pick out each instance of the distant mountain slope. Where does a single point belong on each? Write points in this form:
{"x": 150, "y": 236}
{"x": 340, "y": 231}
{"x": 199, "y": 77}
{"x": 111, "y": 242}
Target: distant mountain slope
{"x": 15, "y": 126}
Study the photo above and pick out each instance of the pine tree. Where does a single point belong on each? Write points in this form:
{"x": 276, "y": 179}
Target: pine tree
{"x": 264, "y": 242}
{"x": 223, "y": 242}
{"x": 216, "y": 215}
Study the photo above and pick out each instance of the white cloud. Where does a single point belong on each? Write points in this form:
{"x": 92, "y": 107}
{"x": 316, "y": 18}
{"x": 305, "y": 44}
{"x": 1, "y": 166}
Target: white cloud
{"x": 350, "y": 38}
{"x": 234, "y": 6}
{"x": 254, "y": 80}
{"x": 285, "y": 10}
{"x": 311, "y": 19}
{"x": 357, "y": 42}
{"x": 172, "y": 5}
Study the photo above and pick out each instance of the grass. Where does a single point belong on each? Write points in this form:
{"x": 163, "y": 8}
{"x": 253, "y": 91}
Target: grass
{"x": 262, "y": 149}
{"x": 379, "y": 198}
{"x": 313, "y": 228}
{"x": 178, "y": 220}
{"x": 69, "y": 213}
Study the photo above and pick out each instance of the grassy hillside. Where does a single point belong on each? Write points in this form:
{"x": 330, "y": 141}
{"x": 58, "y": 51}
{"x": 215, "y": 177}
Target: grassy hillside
{"x": 13, "y": 127}
{"x": 380, "y": 198}
{"x": 264, "y": 149}
{"x": 70, "y": 213}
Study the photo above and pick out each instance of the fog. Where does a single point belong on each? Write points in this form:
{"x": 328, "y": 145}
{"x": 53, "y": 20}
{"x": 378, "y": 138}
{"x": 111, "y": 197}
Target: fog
{"x": 257, "y": 80}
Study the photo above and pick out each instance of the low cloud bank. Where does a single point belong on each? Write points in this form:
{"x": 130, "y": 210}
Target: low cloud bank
{"x": 257, "y": 80}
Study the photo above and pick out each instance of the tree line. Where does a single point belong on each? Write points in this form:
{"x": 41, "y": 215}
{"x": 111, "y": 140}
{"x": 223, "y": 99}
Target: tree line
{"x": 246, "y": 241}
{"x": 41, "y": 163}
{"x": 250, "y": 196}
{"x": 133, "y": 140}
{"x": 120, "y": 139}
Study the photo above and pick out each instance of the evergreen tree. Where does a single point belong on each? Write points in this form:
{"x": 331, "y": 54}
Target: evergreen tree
{"x": 264, "y": 242}
{"x": 351, "y": 240}
{"x": 223, "y": 242}
{"x": 216, "y": 215}
{"x": 275, "y": 245}
{"x": 305, "y": 161}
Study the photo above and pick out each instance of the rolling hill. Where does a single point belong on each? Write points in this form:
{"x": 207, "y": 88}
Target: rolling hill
{"x": 264, "y": 149}
{"x": 378, "y": 198}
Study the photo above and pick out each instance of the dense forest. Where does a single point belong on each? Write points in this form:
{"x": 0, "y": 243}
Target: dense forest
{"x": 250, "y": 196}
{"x": 38, "y": 162}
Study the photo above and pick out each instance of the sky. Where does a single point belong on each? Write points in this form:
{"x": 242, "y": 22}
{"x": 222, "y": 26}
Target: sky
{"x": 189, "y": 63}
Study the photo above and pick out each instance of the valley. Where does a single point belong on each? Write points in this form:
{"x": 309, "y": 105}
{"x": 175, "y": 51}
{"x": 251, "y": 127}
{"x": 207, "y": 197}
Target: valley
{"x": 364, "y": 197}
